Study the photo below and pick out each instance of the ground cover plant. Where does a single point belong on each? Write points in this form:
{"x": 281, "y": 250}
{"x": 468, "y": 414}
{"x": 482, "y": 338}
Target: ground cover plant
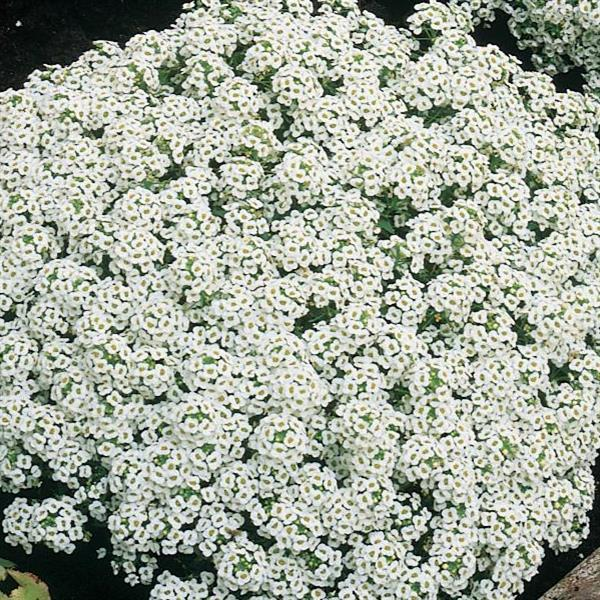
{"x": 307, "y": 302}
{"x": 562, "y": 33}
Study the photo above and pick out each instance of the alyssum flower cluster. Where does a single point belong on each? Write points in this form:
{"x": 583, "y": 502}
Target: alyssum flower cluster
{"x": 304, "y": 304}
{"x": 562, "y": 33}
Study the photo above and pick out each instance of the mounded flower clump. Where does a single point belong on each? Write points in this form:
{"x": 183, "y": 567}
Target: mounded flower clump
{"x": 310, "y": 302}
{"x": 562, "y": 33}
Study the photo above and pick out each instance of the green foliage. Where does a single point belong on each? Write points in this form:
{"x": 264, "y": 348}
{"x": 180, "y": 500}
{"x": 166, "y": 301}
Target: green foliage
{"x": 315, "y": 315}
{"x": 30, "y": 586}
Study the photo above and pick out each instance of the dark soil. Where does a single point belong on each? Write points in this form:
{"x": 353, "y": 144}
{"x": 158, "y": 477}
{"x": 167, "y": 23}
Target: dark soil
{"x": 58, "y": 31}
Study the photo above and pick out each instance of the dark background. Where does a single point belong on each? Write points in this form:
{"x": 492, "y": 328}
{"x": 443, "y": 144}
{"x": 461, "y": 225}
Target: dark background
{"x": 58, "y": 31}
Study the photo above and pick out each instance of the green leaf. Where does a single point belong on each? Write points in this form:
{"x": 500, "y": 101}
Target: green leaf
{"x": 4, "y": 564}
{"x": 386, "y": 225}
{"x": 30, "y": 587}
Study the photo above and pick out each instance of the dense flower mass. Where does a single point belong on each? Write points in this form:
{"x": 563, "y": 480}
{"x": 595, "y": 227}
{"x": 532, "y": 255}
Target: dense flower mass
{"x": 562, "y": 33}
{"x": 306, "y": 301}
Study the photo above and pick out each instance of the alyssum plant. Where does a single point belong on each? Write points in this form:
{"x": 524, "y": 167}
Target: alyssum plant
{"x": 563, "y": 34}
{"x": 305, "y": 301}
